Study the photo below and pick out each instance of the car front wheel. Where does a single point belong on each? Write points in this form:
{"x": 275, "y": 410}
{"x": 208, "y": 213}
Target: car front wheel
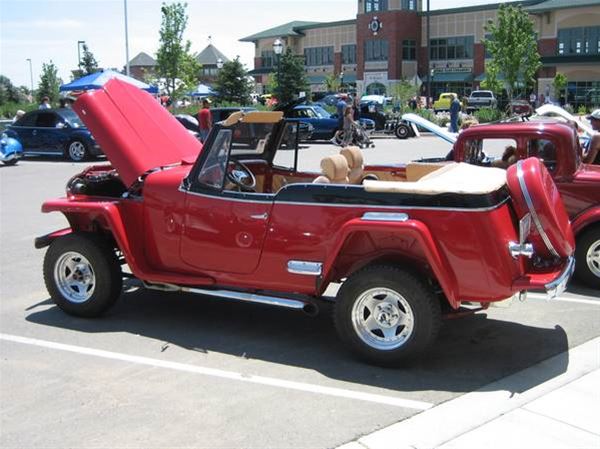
{"x": 77, "y": 150}
{"x": 587, "y": 258}
{"x": 82, "y": 274}
{"x": 386, "y": 315}
{"x": 402, "y": 132}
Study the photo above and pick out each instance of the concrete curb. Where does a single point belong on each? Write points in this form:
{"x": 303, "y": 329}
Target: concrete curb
{"x": 456, "y": 417}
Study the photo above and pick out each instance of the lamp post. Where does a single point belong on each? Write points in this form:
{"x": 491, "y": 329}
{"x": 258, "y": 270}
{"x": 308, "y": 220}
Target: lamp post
{"x": 126, "y": 39}
{"x": 219, "y": 63}
{"x": 79, "y": 54}
{"x": 30, "y": 77}
{"x": 429, "y": 81}
{"x": 341, "y": 80}
{"x": 278, "y": 49}
{"x": 428, "y": 59}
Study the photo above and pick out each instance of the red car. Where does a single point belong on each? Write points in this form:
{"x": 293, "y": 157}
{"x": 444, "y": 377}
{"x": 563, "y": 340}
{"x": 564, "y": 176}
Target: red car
{"x": 240, "y": 221}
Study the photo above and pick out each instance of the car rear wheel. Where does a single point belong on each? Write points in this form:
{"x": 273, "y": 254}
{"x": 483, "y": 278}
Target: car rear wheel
{"x": 11, "y": 161}
{"x": 77, "y": 150}
{"x": 386, "y": 315}
{"x": 587, "y": 257}
{"x": 402, "y": 132}
{"x": 82, "y": 274}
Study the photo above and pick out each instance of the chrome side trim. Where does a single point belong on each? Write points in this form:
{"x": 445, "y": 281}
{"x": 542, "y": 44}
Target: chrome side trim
{"x": 384, "y": 216}
{"x": 536, "y": 219}
{"x": 305, "y": 267}
{"x": 239, "y": 296}
{"x": 356, "y": 205}
{"x": 559, "y": 285}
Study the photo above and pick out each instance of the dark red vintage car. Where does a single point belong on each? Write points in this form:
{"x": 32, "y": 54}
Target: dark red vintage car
{"x": 240, "y": 221}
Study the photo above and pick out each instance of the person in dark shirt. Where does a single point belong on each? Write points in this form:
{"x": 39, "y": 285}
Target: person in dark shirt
{"x": 340, "y": 109}
{"x": 455, "y": 107}
{"x": 592, "y": 156}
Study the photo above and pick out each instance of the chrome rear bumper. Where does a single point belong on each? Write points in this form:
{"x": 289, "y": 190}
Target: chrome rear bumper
{"x": 558, "y": 285}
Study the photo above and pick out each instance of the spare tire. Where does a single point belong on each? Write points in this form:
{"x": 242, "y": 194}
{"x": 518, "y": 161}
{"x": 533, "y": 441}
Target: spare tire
{"x": 533, "y": 191}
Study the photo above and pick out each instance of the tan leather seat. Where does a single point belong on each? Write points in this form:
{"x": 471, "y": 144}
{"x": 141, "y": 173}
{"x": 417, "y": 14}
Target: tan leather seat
{"x": 355, "y": 164}
{"x": 334, "y": 169}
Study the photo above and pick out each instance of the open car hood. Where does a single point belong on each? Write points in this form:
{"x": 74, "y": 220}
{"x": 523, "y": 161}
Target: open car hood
{"x": 134, "y": 131}
{"x": 550, "y": 110}
{"x": 429, "y": 126}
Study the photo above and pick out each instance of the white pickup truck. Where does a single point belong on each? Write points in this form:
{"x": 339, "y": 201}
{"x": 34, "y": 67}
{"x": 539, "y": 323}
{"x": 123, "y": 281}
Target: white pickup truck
{"x": 481, "y": 99}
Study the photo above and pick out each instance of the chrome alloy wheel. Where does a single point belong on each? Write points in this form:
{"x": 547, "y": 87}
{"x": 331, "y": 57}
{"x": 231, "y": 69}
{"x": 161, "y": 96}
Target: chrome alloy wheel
{"x": 383, "y": 319}
{"x": 593, "y": 258}
{"x": 76, "y": 150}
{"x": 74, "y": 277}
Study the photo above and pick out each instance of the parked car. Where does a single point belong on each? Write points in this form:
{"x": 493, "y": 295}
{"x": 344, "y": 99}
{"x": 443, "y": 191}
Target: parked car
{"x": 54, "y": 132}
{"x": 324, "y": 124}
{"x": 481, "y": 99}
{"x": 249, "y": 225}
{"x": 519, "y": 107}
{"x": 11, "y": 150}
{"x": 558, "y": 147}
{"x": 443, "y": 103}
{"x": 384, "y": 123}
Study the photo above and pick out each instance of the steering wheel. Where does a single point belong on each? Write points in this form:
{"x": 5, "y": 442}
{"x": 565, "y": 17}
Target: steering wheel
{"x": 241, "y": 176}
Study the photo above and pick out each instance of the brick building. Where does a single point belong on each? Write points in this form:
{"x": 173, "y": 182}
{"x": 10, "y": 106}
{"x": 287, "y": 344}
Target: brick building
{"x": 142, "y": 65}
{"x": 387, "y": 42}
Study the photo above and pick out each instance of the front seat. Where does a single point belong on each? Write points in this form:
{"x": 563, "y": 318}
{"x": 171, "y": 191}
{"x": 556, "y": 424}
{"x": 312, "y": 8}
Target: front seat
{"x": 355, "y": 164}
{"x": 334, "y": 169}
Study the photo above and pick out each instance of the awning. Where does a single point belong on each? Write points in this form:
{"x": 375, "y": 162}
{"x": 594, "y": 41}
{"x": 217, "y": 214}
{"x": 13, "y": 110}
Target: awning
{"x": 448, "y": 77}
{"x": 350, "y": 78}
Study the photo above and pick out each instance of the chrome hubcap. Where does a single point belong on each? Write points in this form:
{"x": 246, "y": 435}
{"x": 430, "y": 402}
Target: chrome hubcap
{"x": 383, "y": 319}
{"x": 74, "y": 277}
{"x": 593, "y": 258}
{"x": 76, "y": 150}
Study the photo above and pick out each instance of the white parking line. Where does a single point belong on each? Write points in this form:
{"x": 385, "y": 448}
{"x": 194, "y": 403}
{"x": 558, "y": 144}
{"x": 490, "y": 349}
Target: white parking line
{"x": 269, "y": 381}
{"x": 563, "y": 299}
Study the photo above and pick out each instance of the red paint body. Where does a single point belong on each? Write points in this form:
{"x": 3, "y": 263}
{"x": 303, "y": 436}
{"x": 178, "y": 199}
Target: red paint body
{"x": 169, "y": 234}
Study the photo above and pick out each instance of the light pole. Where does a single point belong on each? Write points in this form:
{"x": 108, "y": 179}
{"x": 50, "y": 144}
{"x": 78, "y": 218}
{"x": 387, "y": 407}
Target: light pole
{"x": 278, "y": 49}
{"x": 430, "y": 80}
{"x": 428, "y": 59}
{"x": 30, "y": 77}
{"x": 126, "y": 39}
{"x": 341, "y": 81}
{"x": 219, "y": 64}
{"x": 79, "y": 54}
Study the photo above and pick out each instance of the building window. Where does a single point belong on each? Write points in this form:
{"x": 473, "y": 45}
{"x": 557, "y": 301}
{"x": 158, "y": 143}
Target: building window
{"x": 409, "y": 50}
{"x": 376, "y": 5}
{"x": 317, "y": 56}
{"x": 349, "y": 54}
{"x": 376, "y": 50}
{"x": 585, "y": 93}
{"x": 579, "y": 41}
{"x": 410, "y": 5}
{"x": 268, "y": 58}
{"x": 451, "y": 48}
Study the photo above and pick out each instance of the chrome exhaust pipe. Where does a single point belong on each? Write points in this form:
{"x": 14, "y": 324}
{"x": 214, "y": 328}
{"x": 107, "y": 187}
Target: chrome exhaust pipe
{"x": 307, "y": 307}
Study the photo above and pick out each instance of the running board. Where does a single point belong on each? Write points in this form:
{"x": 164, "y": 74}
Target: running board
{"x": 307, "y": 307}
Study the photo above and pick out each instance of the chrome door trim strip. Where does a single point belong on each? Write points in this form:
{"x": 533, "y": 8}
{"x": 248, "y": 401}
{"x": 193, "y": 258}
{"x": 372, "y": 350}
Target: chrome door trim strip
{"x": 305, "y": 267}
{"x": 384, "y": 216}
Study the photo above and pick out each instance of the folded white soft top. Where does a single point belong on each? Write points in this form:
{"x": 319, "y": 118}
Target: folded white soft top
{"x": 451, "y": 178}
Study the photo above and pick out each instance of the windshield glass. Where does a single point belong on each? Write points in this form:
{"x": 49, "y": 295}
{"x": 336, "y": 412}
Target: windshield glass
{"x": 72, "y": 118}
{"x": 322, "y": 113}
{"x": 250, "y": 138}
{"x": 481, "y": 94}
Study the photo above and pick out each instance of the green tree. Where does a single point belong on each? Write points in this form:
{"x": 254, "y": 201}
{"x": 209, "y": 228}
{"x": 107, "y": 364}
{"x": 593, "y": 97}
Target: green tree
{"x": 513, "y": 47}
{"x": 88, "y": 64}
{"x": 8, "y": 92}
{"x": 290, "y": 79}
{"x": 404, "y": 91}
{"x": 491, "y": 81}
{"x": 332, "y": 82}
{"x": 174, "y": 61}
{"x": 232, "y": 83}
{"x": 559, "y": 83}
{"x": 49, "y": 83}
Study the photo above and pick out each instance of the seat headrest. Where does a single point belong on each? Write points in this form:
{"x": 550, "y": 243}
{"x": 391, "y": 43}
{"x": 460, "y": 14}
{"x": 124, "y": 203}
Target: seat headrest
{"x": 335, "y": 167}
{"x": 354, "y": 157}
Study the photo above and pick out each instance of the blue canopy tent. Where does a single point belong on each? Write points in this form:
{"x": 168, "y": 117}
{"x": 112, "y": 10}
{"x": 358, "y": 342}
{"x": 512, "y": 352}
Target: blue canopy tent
{"x": 98, "y": 79}
{"x": 202, "y": 91}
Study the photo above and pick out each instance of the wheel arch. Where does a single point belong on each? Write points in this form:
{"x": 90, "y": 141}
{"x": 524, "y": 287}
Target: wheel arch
{"x": 422, "y": 256}
{"x": 586, "y": 220}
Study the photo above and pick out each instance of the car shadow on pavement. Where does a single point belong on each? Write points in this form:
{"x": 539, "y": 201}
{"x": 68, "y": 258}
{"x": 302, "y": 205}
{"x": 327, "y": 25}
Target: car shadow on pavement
{"x": 470, "y": 352}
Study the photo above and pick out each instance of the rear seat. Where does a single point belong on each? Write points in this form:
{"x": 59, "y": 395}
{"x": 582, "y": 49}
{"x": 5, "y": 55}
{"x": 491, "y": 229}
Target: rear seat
{"x": 416, "y": 170}
{"x": 454, "y": 177}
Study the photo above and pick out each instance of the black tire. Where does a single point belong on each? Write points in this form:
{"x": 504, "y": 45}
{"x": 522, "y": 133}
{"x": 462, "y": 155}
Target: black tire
{"x": 587, "y": 243}
{"x": 402, "y": 132}
{"x": 77, "y": 150}
{"x": 414, "y": 294}
{"x": 11, "y": 162}
{"x": 99, "y": 259}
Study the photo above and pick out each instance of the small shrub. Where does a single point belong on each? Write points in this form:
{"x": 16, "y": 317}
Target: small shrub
{"x": 569, "y": 108}
{"x": 487, "y": 115}
{"x": 582, "y": 110}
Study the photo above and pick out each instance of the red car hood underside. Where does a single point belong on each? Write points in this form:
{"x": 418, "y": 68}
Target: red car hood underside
{"x": 134, "y": 131}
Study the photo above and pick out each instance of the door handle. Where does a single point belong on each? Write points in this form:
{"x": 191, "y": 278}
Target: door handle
{"x": 260, "y": 216}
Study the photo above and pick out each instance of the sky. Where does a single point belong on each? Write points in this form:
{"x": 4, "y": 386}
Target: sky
{"x": 44, "y": 30}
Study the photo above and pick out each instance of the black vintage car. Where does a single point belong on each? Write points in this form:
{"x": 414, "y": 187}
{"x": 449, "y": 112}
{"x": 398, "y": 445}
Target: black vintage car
{"x": 384, "y": 123}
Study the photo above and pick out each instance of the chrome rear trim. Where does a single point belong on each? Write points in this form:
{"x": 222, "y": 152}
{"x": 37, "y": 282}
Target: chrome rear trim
{"x": 559, "y": 285}
{"x": 384, "y": 216}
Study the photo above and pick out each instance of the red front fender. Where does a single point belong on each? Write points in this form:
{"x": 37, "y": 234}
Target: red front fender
{"x": 586, "y": 218}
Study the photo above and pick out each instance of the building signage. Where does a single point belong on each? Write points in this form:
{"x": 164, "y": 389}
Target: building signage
{"x": 375, "y": 25}
{"x": 453, "y": 70}
{"x": 375, "y": 77}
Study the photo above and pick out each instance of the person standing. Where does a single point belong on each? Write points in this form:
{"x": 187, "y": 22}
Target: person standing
{"x": 340, "y": 109}
{"x": 45, "y": 104}
{"x": 592, "y": 155}
{"x": 348, "y": 126}
{"x": 532, "y": 100}
{"x": 455, "y": 108}
{"x": 204, "y": 119}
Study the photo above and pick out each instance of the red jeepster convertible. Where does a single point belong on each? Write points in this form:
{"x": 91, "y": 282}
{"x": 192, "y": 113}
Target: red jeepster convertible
{"x": 238, "y": 220}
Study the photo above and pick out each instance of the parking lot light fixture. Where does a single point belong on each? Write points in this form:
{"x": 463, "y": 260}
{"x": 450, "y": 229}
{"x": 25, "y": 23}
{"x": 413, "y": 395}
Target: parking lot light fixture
{"x": 219, "y": 63}
{"x": 30, "y": 77}
{"x": 278, "y": 49}
{"x": 79, "y": 53}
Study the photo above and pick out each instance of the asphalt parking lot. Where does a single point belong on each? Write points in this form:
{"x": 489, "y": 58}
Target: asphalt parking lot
{"x": 173, "y": 370}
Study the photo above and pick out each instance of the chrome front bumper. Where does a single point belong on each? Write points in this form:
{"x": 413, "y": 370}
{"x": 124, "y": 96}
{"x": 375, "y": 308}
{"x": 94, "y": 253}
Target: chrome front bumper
{"x": 559, "y": 285}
